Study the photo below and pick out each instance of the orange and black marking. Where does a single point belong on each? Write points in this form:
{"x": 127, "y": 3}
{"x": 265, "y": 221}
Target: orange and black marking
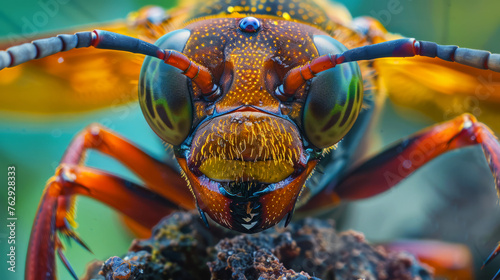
{"x": 246, "y": 156}
{"x": 250, "y": 151}
{"x": 247, "y": 159}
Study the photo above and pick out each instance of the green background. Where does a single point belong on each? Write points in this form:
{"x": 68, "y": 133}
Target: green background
{"x": 450, "y": 199}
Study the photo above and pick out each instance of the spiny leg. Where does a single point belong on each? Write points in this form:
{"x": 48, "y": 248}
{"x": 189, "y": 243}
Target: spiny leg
{"x": 391, "y": 166}
{"x": 158, "y": 176}
{"x": 143, "y": 206}
{"x": 138, "y": 203}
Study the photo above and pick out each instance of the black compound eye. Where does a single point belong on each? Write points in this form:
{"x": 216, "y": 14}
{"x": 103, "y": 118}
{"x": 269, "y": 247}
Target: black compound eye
{"x": 249, "y": 24}
{"x": 164, "y": 93}
{"x": 334, "y": 98}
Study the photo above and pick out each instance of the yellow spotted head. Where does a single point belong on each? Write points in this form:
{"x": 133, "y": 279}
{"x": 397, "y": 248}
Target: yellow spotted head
{"x": 245, "y": 150}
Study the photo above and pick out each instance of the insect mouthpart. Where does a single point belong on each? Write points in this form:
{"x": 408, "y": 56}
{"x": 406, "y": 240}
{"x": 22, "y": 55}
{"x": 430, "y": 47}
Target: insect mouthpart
{"x": 244, "y": 190}
{"x": 247, "y": 147}
{"x": 246, "y": 169}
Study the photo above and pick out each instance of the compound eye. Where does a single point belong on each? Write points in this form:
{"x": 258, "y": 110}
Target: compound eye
{"x": 164, "y": 92}
{"x": 334, "y": 98}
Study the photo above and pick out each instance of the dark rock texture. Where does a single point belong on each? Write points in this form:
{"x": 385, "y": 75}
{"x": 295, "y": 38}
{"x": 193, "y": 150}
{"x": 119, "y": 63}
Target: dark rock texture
{"x": 182, "y": 248}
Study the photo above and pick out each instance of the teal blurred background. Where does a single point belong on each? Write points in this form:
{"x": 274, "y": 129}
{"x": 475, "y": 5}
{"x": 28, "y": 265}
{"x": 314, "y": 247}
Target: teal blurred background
{"x": 451, "y": 199}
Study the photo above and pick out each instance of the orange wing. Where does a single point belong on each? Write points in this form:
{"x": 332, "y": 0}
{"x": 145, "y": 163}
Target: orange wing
{"x": 83, "y": 79}
{"x": 440, "y": 89}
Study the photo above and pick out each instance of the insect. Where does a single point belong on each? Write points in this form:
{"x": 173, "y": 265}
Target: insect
{"x": 216, "y": 164}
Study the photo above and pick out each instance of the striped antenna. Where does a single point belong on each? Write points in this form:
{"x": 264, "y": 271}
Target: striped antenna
{"x": 396, "y": 48}
{"x": 108, "y": 40}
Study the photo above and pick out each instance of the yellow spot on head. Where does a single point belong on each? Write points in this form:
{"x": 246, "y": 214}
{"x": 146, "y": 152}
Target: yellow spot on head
{"x": 230, "y": 9}
{"x": 286, "y": 16}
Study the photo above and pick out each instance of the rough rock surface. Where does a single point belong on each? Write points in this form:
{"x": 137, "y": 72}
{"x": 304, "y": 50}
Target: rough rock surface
{"x": 182, "y": 248}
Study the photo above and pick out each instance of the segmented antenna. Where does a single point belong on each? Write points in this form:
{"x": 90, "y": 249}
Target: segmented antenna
{"x": 108, "y": 40}
{"x": 396, "y": 48}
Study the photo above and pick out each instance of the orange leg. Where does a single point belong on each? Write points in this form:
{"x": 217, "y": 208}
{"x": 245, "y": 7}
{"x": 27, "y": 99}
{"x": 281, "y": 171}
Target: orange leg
{"x": 391, "y": 166}
{"x": 158, "y": 176}
{"x": 388, "y": 168}
{"x": 450, "y": 261}
{"x": 144, "y": 206}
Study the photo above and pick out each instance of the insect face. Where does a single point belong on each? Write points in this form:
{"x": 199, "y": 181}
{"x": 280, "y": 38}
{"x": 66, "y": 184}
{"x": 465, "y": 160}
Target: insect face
{"x": 246, "y": 153}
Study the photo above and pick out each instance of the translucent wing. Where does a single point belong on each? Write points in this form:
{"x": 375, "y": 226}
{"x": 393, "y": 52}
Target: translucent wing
{"x": 442, "y": 89}
{"x": 83, "y": 79}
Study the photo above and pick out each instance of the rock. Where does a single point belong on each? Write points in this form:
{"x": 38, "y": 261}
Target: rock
{"x": 181, "y": 247}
